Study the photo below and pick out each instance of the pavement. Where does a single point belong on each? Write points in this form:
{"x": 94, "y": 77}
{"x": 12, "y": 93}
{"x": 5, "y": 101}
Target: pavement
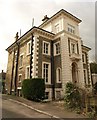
{"x": 54, "y": 109}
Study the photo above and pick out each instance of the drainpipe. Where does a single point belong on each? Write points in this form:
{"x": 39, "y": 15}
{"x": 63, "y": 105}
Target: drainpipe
{"x": 17, "y": 58}
{"x": 31, "y": 57}
{"x": 52, "y": 72}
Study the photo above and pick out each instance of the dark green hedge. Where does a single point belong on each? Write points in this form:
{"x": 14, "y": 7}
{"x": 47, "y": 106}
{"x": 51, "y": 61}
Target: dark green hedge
{"x": 33, "y": 89}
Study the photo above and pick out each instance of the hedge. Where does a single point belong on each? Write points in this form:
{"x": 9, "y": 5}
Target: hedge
{"x": 33, "y": 89}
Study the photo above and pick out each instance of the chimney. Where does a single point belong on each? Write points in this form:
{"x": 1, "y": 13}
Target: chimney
{"x": 17, "y": 36}
{"x": 45, "y": 18}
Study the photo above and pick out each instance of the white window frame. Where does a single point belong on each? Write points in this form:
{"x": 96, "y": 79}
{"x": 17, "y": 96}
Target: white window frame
{"x": 84, "y": 58}
{"x": 55, "y": 48}
{"x": 20, "y": 66}
{"x": 57, "y": 75}
{"x": 26, "y": 72}
{"x": 28, "y": 53}
{"x": 49, "y": 72}
{"x": 86, "y": 76}
{"x": 48, "y": 48}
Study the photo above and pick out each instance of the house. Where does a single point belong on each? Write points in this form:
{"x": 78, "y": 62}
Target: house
{"x": 53, "y": 51}
{"x": 2, "y": 81}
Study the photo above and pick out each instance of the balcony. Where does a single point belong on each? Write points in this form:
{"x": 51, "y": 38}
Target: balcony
{"x": 75, "y": 56}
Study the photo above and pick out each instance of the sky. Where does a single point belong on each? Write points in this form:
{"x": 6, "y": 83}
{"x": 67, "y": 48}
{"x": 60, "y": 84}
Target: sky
{"x": 18, "y": 14}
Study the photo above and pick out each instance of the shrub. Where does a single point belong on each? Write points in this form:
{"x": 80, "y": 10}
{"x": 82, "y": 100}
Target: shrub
{"x": 33, "y": 89}
{"x": 72, "y": 96}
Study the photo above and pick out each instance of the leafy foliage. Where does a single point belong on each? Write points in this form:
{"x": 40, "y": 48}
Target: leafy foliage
{"x": 72, "y": 96}
{"x": 93, "y": 67}
{"x": 33, "y": 89}
{"x": 95, "y": 88}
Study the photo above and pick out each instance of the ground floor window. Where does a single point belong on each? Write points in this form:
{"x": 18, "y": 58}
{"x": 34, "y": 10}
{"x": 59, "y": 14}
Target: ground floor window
{"x": 46, "y": 72}
{"x": 58, "y": 94}
{"x": 85, "y": 76}
{"x": 27, "y": 72}
{"x": 46, "y": 95}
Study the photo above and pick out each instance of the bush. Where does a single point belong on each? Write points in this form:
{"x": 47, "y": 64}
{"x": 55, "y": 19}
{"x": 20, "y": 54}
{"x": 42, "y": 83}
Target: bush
{"x": 33, "y": 89}
{"x": 72, "y": 96}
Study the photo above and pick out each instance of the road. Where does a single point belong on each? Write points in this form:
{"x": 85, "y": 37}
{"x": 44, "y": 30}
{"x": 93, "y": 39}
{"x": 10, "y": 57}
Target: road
{"x": 14, "y": 110}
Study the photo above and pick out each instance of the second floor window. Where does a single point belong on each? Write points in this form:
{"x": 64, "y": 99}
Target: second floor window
{"x": 46, "y": 48}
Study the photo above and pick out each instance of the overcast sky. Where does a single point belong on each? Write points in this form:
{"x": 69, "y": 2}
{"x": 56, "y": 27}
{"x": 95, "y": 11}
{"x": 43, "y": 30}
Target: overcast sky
{"x": 18, "y": 14}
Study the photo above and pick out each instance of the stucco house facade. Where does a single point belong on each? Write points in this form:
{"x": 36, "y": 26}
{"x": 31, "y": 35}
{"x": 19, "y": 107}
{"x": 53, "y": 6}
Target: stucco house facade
{"x": 53, "y": 51}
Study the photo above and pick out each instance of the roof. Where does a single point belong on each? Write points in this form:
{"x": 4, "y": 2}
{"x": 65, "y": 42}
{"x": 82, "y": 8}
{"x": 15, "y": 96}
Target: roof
{"x": 66, "y": 13}
{"x": 29, "y": 32}
{"x": 85, "y": 47}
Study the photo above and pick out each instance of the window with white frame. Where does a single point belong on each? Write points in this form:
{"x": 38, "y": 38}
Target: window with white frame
{"x": 58, "y": 75}
{"x": 85, "y": 76}
{"x": 21, "y": 60}
{"x": 71, "y": 29}
{"x": 73, "y": 48}
{"x": 29, "y": 48}
{"x": 57, "y": 48}
{"x": 46, "y": 48}
{"x": 56, "y": 28}
{"x": 83, "y": 57}
{"x": 46, "y": 72}
{"x": 27, "y": 72}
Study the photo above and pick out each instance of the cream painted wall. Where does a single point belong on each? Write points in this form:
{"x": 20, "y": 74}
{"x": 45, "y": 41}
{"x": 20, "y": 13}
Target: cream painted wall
{"x": 63, "y": 22}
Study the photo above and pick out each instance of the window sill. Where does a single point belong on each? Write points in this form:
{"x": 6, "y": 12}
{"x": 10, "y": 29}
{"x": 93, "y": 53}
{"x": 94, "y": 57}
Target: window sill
{"x": 28, "y": 54}
{"x": 57, "y": 54}
{"x": 46, "y": 54}
{"x": 21, "y": 67}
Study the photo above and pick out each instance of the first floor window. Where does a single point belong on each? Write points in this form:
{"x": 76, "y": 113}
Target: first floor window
{"x": 46, "y": 72}
{"x": 28, "y": 72}
{"x": 58, "y": 74}
{"x": 21, "y": 60}
{"x": 73, "y": 48}
{"x": 57, "y": 48}
{"x": 83, "y": 57}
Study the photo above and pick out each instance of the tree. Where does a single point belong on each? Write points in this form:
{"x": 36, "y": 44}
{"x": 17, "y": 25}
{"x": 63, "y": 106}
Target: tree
{"x": 93, "y": 67}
